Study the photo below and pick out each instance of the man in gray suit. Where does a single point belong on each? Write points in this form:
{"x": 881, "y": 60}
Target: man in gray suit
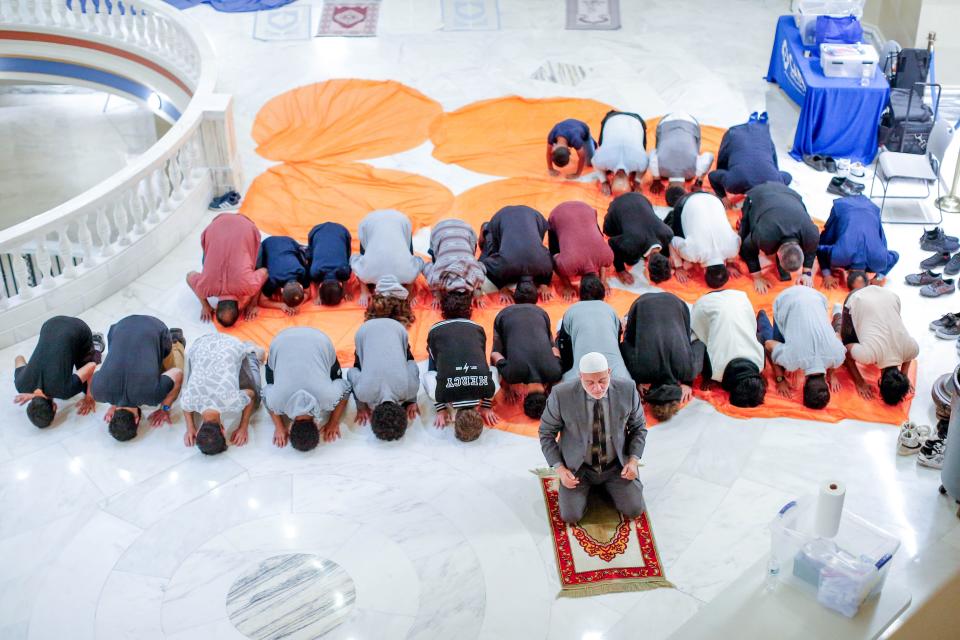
{"x": 602, "y": 432}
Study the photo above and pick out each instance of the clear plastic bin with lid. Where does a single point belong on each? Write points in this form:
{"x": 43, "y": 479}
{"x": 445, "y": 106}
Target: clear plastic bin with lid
{"x": 842, "y": 571}
{"x": 805, "y": 14}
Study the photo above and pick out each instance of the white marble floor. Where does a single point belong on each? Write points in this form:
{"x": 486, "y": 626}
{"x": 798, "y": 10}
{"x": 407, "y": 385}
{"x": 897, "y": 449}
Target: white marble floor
{"x": 100, "y": 539}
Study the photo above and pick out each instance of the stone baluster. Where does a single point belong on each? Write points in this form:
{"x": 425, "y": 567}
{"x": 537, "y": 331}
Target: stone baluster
{"x": 121, "y": 221}
{"x": 151, "y": 28}
{"x": 152, "y": 197}
{"x": 103, "y": 231}
{"x": 58, "y": 13}
{"x": 21, "y": 273}
{"x": 76, "y": 15}
{"x": 30, "y": 13}
{"x": 176, "y": 177}
{"x": 103, "y": 18}
{"x": 14, "y": 16}
{"x": 86, "y": 238}
{"x": 88, "y": 16}
{"x": 65, "y": 249}
{"x": 140, "y": 21}
{"x": 188, "y": 160}
{"x": 165, "y": 190}
{"x": 127, "y": 34}
{"x": 43, "y": 264}
{"x": 135, "y": 208}
{"x": 4, "y": 19}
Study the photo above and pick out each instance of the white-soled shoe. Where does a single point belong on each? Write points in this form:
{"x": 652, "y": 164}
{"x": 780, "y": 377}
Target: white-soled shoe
{"x": 912, "y": 437}
{"x": 931, "y": 454}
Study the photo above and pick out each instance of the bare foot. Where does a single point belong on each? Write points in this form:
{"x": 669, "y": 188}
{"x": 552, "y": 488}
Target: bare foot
{"x": 626, "y": 277}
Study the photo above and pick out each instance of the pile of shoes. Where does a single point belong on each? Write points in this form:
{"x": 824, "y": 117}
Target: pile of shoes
{"x": 916, "y": 439}
{"x": 932, "y": 284}
{"x": 840, "y": 185}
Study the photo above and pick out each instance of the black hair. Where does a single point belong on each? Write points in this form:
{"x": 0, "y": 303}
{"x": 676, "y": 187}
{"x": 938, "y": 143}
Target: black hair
{"x": 534, "y": 404}
{"x": 525, "y": 292}
{"x": 816, "y": 392}
{"x": 749, "y": 391}
{"x": 790, "y": 255}
{"x": 894, "y": 385}
{"x": 388, "y": 421}
{"x": 561, "y": 156}
{"x": 674, "y": 194}
{"x": 40, "y": 411}
{"x": 591, "y": 287}
{"x": 716, "y": 275}
{"x": 123, "y": 425}
{"x": 853, "y": 276}
{"x": 456, "y": 304}
{"x": 304, "y": 434}
{"x": 210, "y": 438}
{"x": 331, "y": 292}
{"x": 468, "y": 425}
{"x": 228, "y": 312}
{"x": 659, "y": 267}
{"x": 292, "y": 293}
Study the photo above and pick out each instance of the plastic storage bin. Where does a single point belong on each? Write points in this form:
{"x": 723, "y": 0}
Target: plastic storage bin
{"x": 841, "y": 572}
{"x": 848, "y": 60}
{"x": 805, "y": 14}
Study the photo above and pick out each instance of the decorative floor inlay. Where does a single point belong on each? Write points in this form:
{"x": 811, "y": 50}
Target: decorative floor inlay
{"x": 298, "y": 595}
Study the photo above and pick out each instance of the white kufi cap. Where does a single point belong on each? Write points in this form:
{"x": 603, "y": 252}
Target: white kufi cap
{"x": 593, "y": 362}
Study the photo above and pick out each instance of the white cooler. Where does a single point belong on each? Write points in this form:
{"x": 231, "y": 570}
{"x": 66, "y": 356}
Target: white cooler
{"x": 848, "y": 60}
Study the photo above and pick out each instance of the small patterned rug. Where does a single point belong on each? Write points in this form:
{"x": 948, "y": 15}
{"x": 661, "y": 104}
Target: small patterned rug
{"x": 357, "y": 19}
{"x": 560, "y": 73}
{"x": 286, "y": 23}
{"x": 470, "y": 15}
{"x": 605, "y": 552}
{"x": 593, "y": 15}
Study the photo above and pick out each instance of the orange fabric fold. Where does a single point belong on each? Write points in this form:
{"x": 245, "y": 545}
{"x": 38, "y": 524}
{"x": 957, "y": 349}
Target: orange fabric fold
{"x": 344, "y": 119}
{"x": 477, "y": 205}
{"x": 845, "y": 405}
{"x": 289, "y": 199}
{"x": 508, "y": 136}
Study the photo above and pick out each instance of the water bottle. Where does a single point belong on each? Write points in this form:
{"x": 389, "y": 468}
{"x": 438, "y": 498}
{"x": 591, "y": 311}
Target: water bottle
{"x": 773, "y": 571}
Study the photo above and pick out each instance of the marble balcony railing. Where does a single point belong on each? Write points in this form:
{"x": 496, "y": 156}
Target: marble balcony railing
{"x": 70, "y": 257}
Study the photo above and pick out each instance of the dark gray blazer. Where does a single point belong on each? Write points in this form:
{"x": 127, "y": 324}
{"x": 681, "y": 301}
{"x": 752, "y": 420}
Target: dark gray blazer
{"x": 566, "y": 414}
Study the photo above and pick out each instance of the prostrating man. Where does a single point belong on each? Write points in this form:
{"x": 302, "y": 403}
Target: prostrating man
{"x": 587, "y": 326}
{"x": 659, "y": 352}
{"x": 853, "y": 239}
{"x": 637, "y": 233}
{"x": 525, "y": 356}
{"x": 577, "y": 245}
{"x": 384, "y": 378}
{"x": 513, "y": 252}
{"x": 386, "y": 249}
{"x": 390, "y": 300}
{"x": 64, "y": 344}
{"x": 747, "y": 158}
{"x": 775, "y": 221}
{"x": 328, "y": 248}
{"x": 724, "y": 322}
{"x": 223, "y": 379}
{"x": 701, "y": 235}
{"x": 874, "y": 333}
{"x": 458, "y": 377}
{"x": 453, "y": 248}
{"x": 305, "y": 387}
{"x": 801, "y": 338}
{"x": 565, "y": 135}
{"x": 622, "y": 157}
{"x": 144, "y": 366}
{"x": 288, "y": 279}
{"x": 602, "y": 430}
{"x": 677, "y": 157}
{"x": 230, "y": 245}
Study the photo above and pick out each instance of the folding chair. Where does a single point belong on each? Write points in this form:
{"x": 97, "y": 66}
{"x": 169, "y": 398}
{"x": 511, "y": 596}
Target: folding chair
{"x": 893, "y": 165}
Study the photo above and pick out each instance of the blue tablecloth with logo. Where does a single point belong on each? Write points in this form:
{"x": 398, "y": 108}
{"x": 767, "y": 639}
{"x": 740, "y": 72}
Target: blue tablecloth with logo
{"x": 838, "y": 117}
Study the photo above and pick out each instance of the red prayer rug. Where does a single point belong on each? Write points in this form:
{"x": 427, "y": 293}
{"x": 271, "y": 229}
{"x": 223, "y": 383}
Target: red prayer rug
{"x": 349, "y": 18}
{"x": 604, "y": 552}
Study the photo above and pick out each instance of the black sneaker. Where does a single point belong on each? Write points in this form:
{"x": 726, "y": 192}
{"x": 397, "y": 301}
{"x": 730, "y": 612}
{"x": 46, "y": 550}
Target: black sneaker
{"x": 99, "y": 346}
{"x": 176, "y": 335}
{"x": 843, "y": 187}
{"x": 952, "y": 268}
{"x": 944, "y": 321}
{"x": 935, "y": 261}
{"x": 931, "y": 454}
{"x": 949, "y": 331}
{"x": 937, "y": 240}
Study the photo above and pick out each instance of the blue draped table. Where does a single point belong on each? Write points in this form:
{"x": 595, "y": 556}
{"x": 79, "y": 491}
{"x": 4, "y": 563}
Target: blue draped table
{"x": 838, "y": 117}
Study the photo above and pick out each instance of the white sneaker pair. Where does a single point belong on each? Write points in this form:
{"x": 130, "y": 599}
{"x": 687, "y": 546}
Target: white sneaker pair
{"x": 912, "y": 437}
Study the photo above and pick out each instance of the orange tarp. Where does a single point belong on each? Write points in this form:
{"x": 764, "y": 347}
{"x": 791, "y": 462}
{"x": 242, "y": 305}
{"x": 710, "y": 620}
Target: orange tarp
{"x": 344, "y": 119}
{"x": 477, "y": 205}
{"x": 508, "y": 136}
{"x": 290, "y": 199}
{"x": 846, "y": 405}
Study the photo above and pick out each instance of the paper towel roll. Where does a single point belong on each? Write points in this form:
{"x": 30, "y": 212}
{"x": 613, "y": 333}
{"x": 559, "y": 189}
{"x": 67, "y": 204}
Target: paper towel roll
{"x": 829, "y": 509}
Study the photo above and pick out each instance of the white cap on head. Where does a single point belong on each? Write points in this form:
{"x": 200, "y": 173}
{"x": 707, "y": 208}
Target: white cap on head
{"x": 593, "y": 362}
